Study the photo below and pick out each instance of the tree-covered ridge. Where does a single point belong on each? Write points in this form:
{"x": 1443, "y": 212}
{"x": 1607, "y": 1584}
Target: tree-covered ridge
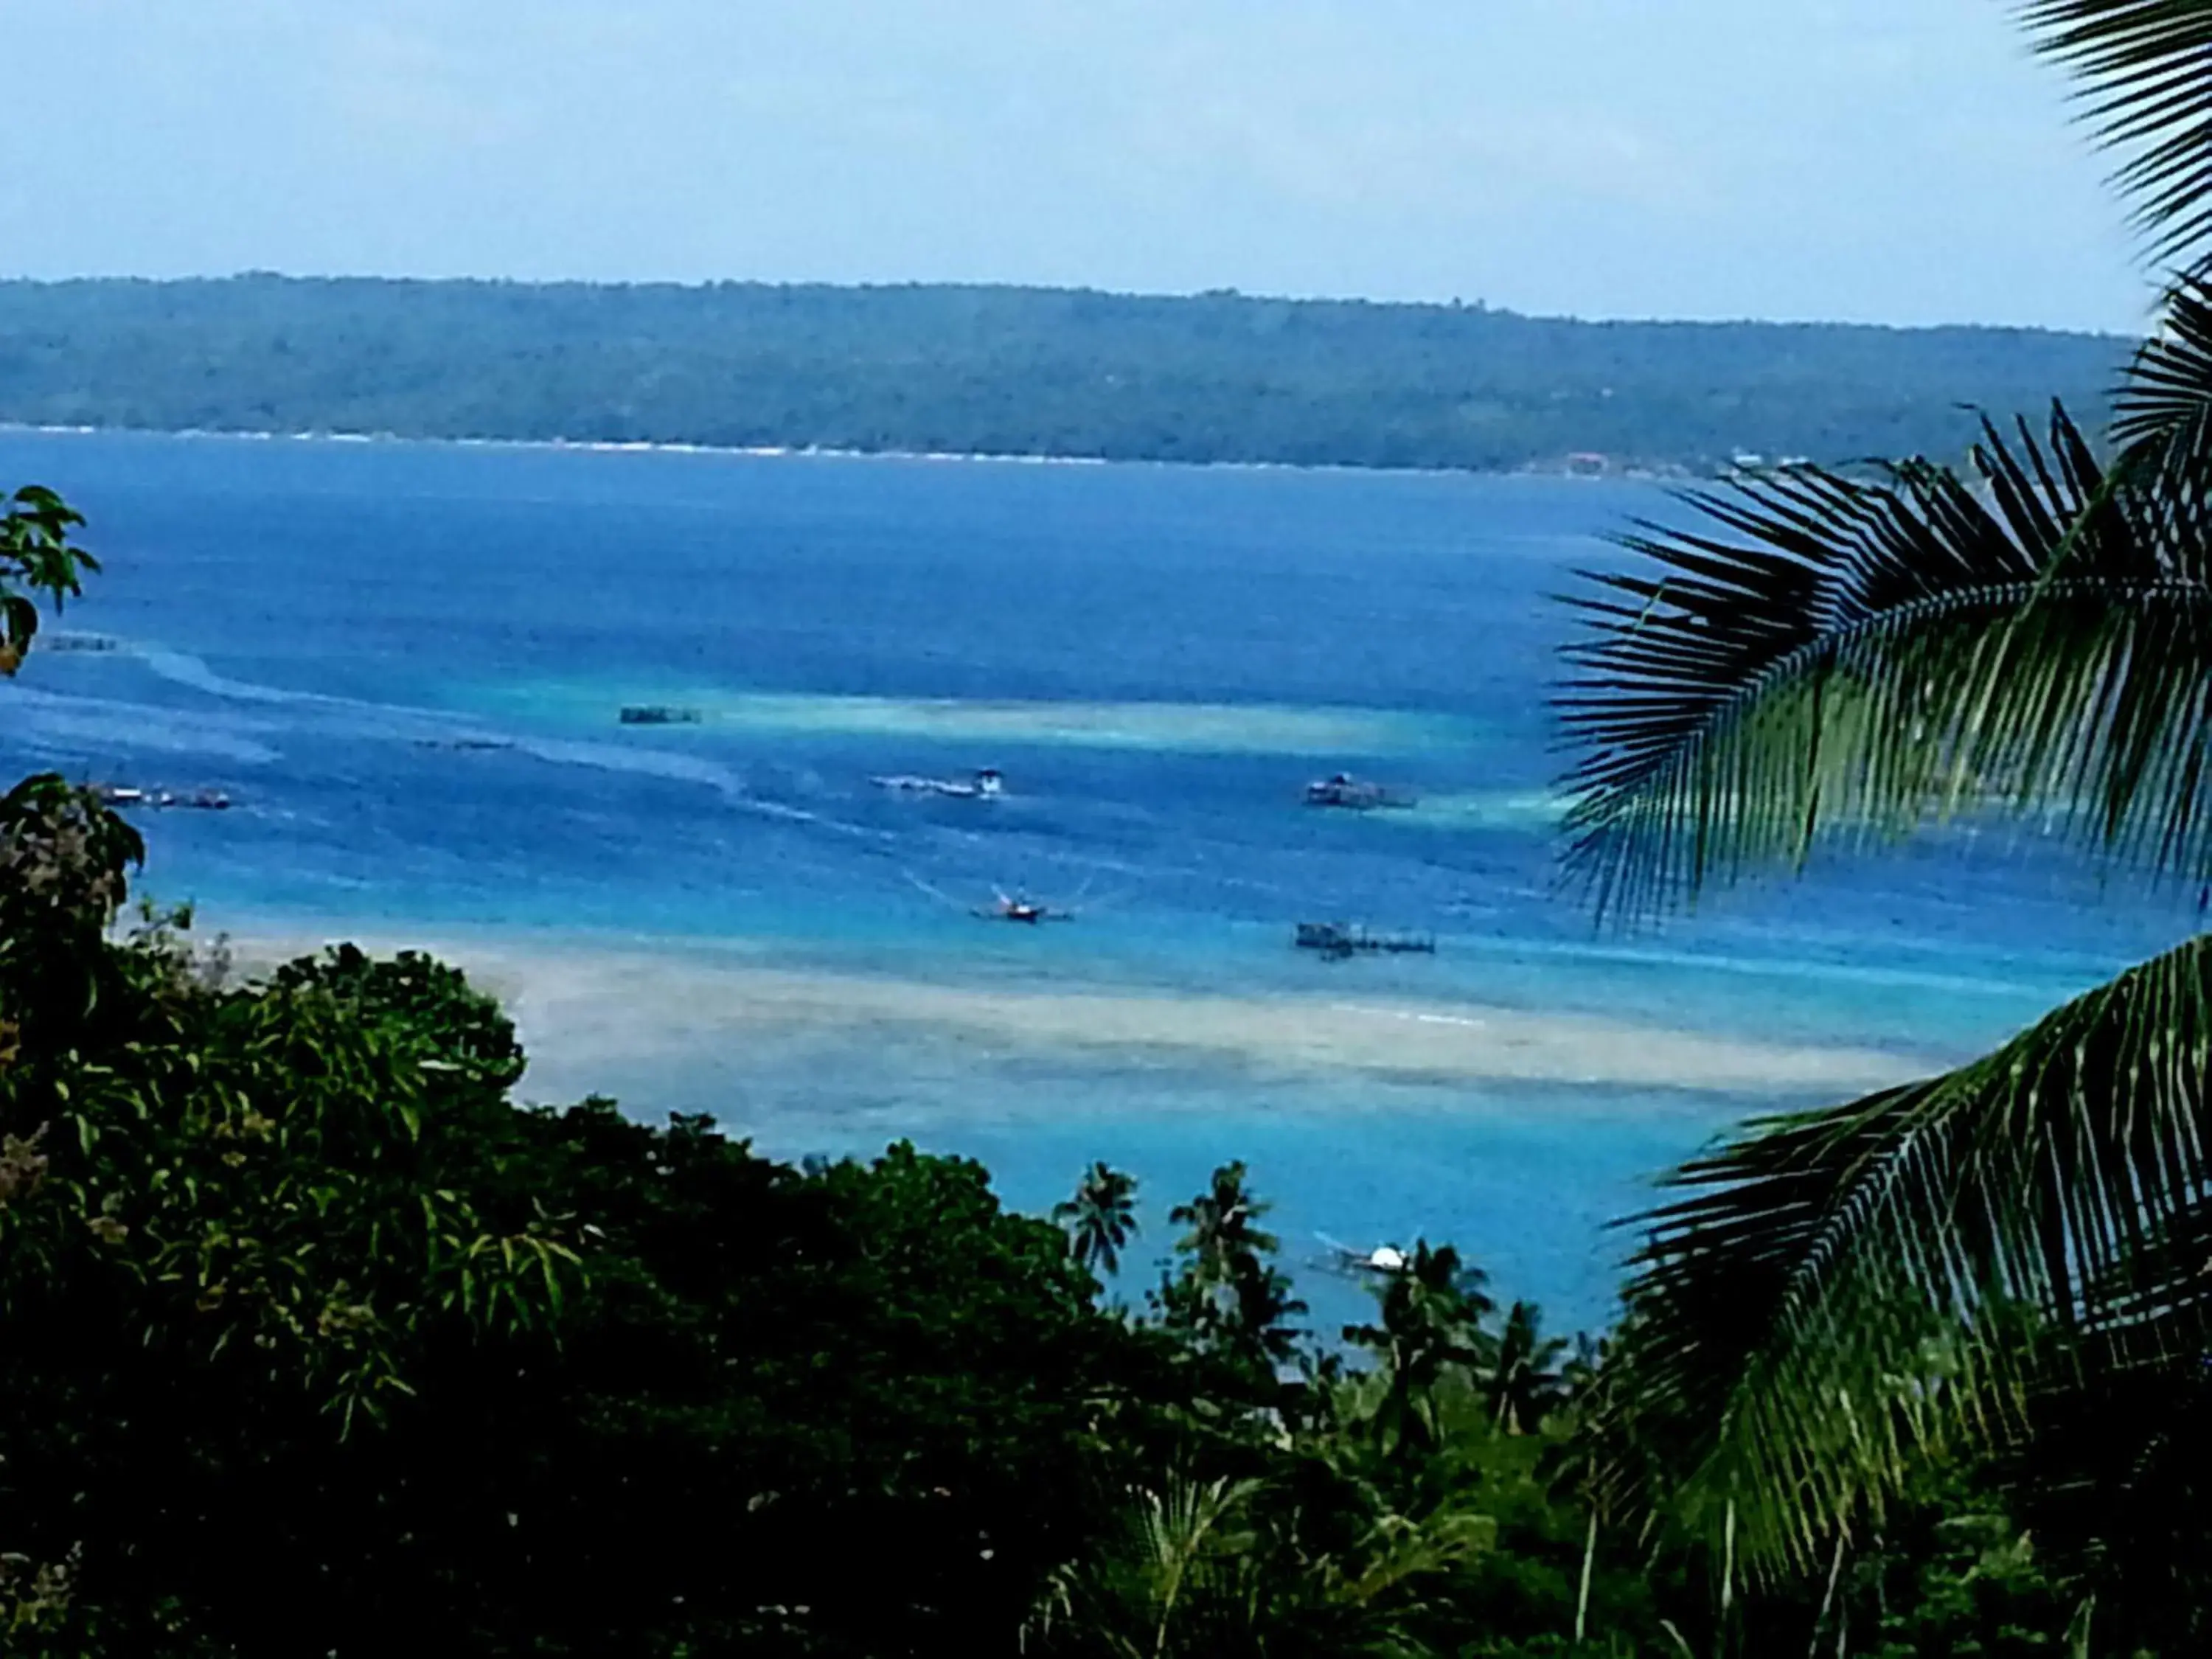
{"x": 1011, "y": 371}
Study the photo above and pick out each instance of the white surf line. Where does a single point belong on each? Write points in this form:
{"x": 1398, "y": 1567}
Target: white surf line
{"x": 819, "y": 452}
{"x": 1416, "y": 1016}
{"x": 1733, "y": 1062}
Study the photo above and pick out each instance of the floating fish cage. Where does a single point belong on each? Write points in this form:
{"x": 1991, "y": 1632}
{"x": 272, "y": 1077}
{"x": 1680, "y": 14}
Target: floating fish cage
{"x": 1356, "y": 795}
{"x": 1337, "y": 941}
{"x": 655, "y": 714}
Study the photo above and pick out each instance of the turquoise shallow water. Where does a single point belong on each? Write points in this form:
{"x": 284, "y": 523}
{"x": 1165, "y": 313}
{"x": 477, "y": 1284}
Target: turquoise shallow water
{"x": 406, "y": 661}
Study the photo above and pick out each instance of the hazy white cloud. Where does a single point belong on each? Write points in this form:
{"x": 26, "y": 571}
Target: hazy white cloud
{"x": 1899, "y": 160}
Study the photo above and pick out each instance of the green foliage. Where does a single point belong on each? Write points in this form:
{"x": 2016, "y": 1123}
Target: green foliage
{"x": 1968, "y": 1583}
{"x": 1845, "y": 1289}
{"x": 1230, "y": 1301}
{"x": 1430, "y": 1321}
{"x": 1850, "y": 1291}
{"x": 1387, "y": 1511}
{"x": 774, "y": 1374}
{"x": 314, "y": 1340}
{"x": 37, "y": 558}
{"x": 233, "y": 1247}
{"x": 2007, "y": 1262}
{"x": 1851, "y": 661}
{"x": 1525, "y": 1386}
{"x": 65, "y": 861}
{"x": 1309, "y": 1558}
{"x": 1101, "y": 1218}
{"x": 310, "y": 1340}
{"x": 1214, "y": 377}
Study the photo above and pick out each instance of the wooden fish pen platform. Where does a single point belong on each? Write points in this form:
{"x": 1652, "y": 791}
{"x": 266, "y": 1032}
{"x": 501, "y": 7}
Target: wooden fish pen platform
{"x": 1340, "y": 941}
{"x": 657, "y": 713}
{"x": 1352, "y": 794}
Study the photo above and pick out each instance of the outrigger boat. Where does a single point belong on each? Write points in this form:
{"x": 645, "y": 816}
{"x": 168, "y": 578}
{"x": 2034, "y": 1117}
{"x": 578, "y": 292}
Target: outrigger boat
{"x": 1383, "y": 1259}
{"x": 986, "y": 785}
{"x": 1028, "y": 912}
{"x": 1006, "y": 907}
{"x": 1352, "y": 794}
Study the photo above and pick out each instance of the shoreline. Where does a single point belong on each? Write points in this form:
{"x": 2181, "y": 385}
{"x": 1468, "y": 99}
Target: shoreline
{"x": 1560, "y": 473}
{"x": 587, "y": 1013}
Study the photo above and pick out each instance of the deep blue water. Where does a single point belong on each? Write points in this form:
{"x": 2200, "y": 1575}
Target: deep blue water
{"x": 1159, "y": 658}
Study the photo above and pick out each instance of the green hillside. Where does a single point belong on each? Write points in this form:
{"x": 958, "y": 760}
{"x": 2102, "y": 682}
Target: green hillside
{"x": 1216, "y": 377}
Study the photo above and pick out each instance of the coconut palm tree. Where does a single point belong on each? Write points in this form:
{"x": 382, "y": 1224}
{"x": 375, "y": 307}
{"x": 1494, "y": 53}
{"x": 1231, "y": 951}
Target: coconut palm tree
{"x": 1828, "y": 659}
{"x": 1430, "y": 1316}
{"x": 1101, "y": 1218}
{"x": 1523, "y": 1380}
{"x": 1224, "y": 1225}
{"x": 1229, "y": 1294}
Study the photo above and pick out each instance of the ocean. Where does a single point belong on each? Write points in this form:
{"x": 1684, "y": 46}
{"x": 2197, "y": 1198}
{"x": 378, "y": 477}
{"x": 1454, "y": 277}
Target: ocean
{"x": 405, "y": 664}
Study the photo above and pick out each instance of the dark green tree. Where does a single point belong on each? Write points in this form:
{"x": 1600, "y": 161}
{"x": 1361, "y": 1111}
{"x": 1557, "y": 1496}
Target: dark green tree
{"x": 1430, "y": 1322}
{"x": 37, "y": 560}
{"x": 1224, "y": 1225}
{"x": 1524, "y": 1377}
{"x": 1101, "y": 1218}
{"x": 1230, "y": 1298}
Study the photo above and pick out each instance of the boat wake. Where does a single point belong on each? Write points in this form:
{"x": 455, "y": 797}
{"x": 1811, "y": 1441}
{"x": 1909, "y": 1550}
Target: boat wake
{"x": 327, "y": 714}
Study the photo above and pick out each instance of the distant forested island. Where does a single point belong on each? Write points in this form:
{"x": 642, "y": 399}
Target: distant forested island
{"x": 1216, "y": 377}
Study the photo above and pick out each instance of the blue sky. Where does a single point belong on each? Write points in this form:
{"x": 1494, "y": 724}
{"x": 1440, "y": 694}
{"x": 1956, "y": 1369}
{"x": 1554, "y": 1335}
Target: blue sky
{"x": 1890, "y": 161}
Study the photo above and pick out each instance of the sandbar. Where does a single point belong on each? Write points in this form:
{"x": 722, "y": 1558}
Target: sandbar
{"x": 584, "y": 1012}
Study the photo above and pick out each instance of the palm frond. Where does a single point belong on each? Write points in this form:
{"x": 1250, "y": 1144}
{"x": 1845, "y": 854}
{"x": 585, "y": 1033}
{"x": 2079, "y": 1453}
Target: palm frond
{"x": 2162, "y": 417}
{"x": 1845, "y": 1289}
{"x": 2165, "y": 406}
{"x": 2147, "y": 71}
{"x": 1399, "y": 1549}
{"x": 2122, "y": 1443}
{"x": 1823, "y": 657}
{"x": 1170, "y": 1577}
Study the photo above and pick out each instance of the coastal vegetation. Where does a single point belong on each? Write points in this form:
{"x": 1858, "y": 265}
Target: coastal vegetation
{"x": 313, "y": 1340}
{"x": 1010, "y": 371}
{"x": 316, "y": 1342}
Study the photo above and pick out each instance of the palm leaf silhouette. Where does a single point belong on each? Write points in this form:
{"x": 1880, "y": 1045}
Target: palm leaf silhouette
{"x": 2141, "y": 66}
{"x": 1828, "y": 658}
{"x": 2017, "y": 1254}
{"x": 1844, "y": 1289}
